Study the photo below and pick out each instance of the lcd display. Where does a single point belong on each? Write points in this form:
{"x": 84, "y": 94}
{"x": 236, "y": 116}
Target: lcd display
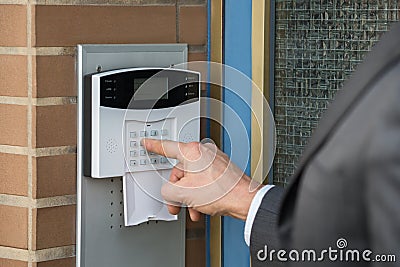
{"x": 154, "y": 88}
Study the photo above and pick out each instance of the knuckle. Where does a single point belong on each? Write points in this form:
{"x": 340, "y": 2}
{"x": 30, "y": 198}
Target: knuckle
{"x": 192, "y": 150}
{"x": 193, "y": 146}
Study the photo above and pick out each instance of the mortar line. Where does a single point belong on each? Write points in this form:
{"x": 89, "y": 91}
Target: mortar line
{"x": 40, "y": 203}
{"x": 30, "y": 146}
{"x": 38, "y": 152}
{"x": 133, "y": 3}
{"x": 13, "y": 2}
{"x": 71, "y": 51}
{"x": 51, "y": 101}
{"x": 41, "y": 255}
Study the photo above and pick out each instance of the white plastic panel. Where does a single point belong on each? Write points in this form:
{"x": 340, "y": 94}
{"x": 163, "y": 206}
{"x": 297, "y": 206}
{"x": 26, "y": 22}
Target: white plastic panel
{"x": 142, "y": 198}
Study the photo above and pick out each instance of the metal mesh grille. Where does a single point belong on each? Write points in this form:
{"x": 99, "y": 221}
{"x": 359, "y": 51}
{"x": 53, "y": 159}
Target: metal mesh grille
{"x": 318, "y": 45}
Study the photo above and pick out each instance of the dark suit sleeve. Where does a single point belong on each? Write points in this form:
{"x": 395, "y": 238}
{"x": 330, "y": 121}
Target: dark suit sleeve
{"x": 382, "y": 195}
{"x": 264, "y": 230}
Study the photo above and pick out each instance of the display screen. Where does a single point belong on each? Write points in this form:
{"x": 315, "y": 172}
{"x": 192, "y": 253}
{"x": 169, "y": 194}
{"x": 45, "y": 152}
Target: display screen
{"x": 154, "y": 88}
{"x": 147, "y": 89}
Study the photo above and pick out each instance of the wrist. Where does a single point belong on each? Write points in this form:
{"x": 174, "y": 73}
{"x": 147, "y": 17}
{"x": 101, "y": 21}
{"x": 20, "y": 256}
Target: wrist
{"x": 243, "y": 199}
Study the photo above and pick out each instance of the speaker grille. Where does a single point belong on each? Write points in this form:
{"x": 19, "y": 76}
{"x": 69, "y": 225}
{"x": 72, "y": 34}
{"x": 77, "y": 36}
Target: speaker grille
{"x": 187, "y": 138}
{"x": 111, "y": 145}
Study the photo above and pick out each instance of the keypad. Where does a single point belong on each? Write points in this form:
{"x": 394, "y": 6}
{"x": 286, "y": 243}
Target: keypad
{"x": 139, "y": 158}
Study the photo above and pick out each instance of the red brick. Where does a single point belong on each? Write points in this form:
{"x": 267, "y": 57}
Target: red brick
{"x": 197, "y": 57}
{"x": 68, "y": 262}
{"x": 70, "y": 25}
{"x": 55, "y": 76}
{"x": 12, "y": 263}
{"x": 13, "y": 25}
{"x": 14, "y": 174}
{"x": 54, "y": 126}
{"x": 54, "y": 227}
{"x": 14, "y": 77}
{"x": 193, "y": 25}
{"x": 13, "y": 125}
{"x": 13, "y": 227}
{"x": 54, "y": 176}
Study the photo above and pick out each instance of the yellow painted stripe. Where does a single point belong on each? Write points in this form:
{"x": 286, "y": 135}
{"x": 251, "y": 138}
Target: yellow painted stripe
{"x": 260, "y": 77}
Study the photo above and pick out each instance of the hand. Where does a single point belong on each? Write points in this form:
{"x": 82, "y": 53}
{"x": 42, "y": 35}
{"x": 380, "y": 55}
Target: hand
{"x": 205, "y": 180}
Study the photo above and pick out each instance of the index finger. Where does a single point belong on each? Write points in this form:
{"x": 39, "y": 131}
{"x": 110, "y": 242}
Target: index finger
{"x": 167, "y": 148}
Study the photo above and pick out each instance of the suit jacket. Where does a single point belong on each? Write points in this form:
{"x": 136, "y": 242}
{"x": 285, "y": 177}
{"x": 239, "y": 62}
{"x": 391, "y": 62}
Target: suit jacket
{"x": 345, "y": 193}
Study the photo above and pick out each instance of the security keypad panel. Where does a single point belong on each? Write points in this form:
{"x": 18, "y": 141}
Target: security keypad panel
{"x": 121, "y": 108}
{"x": 139, "y": 158}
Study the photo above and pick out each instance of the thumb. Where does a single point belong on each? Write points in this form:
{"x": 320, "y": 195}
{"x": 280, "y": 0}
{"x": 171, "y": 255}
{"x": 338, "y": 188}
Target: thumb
{"x": 173, "y": 194}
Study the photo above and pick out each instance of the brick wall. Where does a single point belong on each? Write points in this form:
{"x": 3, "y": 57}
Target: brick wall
{"x": 38, "y": 112}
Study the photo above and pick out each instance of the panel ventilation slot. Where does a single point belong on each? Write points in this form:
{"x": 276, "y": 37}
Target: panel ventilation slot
{"x": 115, "y": 204}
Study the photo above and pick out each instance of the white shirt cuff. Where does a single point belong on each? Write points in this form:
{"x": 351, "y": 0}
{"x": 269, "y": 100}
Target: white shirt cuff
{"x": 255, "y": 205}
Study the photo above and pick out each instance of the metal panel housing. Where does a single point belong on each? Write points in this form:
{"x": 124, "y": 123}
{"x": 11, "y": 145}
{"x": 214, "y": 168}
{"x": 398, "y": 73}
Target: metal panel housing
{"x": 102, "y": 239}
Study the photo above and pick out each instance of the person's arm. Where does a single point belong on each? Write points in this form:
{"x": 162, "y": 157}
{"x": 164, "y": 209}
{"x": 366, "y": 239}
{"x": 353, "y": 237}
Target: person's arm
{"x": 382, "y": 196}
{"x": 254, "y": 207}
{"x": 264, "y": 230}
{"x": 205, "y": 180}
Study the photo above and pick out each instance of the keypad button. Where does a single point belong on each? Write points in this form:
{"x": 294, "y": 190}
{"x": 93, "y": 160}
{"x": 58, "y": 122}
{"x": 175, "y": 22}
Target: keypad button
{"x": 153, "y": 133}
{"x": 132, "y": 134}
{"x": 143, "y": 162}
{"x": 134, "y": 153}
{"x": 163, "y": 160}
{"x": 153, "y": 161}
{"x": 133, "y": 144}
{"x": 151, "y": 153}
{"x": 133, "y": 163}
{"x": 142, "y": 152}
{"x": 143, "y": 133}
{"x": 164, "y": 132}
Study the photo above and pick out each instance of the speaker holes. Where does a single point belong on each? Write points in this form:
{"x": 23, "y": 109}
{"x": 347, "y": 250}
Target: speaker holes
{"x": 112, "y": 203}
{"x": 111, "y": 215}
{"x": 187, "y": 138}
{"x": 111, "y": 145}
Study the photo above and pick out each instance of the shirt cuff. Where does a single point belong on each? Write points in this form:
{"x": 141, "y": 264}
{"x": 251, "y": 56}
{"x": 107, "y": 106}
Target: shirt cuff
{"x": 255, "y": 205}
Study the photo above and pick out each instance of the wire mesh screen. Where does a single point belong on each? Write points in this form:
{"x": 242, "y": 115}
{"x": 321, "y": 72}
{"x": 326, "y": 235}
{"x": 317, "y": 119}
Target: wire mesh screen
{"x": 318, "y": 45}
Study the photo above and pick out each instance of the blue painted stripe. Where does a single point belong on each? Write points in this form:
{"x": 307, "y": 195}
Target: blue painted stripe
{"x": 237, "y": 54}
